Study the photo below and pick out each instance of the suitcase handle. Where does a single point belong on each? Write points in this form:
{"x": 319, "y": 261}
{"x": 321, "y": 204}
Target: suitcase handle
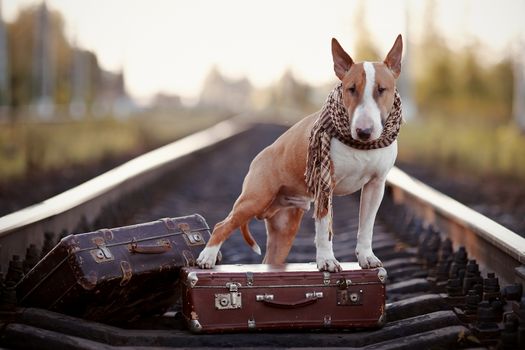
{"x": 161, "y": 247}
{"x": 290, "y": 305}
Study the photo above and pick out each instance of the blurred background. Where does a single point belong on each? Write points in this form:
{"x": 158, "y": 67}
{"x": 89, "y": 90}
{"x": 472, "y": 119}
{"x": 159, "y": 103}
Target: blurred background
{"x": 86, "y": 85}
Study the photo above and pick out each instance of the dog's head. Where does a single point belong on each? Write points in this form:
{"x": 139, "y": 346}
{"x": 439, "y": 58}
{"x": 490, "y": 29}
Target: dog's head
{"x": 368, "y": 89}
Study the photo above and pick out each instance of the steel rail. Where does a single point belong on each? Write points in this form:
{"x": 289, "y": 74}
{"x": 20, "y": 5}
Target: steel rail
{"x": 63, "y": 211}
{"x": 494, "y": 247}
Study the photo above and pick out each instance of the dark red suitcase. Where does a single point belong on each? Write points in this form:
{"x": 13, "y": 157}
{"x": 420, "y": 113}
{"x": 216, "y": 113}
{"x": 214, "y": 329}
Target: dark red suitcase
{"x": 116, "y": 275}
{"x": 281, "y": 297}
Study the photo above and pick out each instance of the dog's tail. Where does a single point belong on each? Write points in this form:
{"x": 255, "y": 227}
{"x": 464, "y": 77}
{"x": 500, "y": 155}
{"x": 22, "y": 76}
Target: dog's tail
{"x": 249, "y": 238}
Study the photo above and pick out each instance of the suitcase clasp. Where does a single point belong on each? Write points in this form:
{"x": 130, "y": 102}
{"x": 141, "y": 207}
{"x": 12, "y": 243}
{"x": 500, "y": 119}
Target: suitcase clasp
{"x": 192, "y": 238}
{"x": 101, "y": 253}
{"x": 347, "y": 297}
{"x": 231, "y": 300}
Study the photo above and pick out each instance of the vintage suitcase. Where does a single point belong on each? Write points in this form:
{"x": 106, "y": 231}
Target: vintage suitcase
{"x": 116, "y": 275}
{"x": 279, "y": 297}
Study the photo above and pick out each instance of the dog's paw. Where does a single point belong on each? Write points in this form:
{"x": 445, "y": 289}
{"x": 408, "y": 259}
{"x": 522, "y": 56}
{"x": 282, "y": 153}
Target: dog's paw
{"x": 367, "y": 259}
{"x": 207, "y": 257}
{"x": 328, "y": 264}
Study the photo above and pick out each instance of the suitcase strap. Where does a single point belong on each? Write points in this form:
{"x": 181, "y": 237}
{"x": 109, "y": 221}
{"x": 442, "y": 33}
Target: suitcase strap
{"x": 311, "y": 298}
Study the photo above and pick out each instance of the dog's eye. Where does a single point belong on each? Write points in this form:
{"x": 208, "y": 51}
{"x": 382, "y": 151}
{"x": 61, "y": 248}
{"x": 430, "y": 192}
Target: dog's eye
{"x": 352, "y": 89}
{"x": 380, "y": 89}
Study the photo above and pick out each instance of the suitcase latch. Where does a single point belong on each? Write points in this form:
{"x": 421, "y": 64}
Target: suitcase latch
{"x": 192, "y": 238}
{"x": 349, "y": 297}
{"x": 231, "y": 300}
{"x": 101, "y": 253}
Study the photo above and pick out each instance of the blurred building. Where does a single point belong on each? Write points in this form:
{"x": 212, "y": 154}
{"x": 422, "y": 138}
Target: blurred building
{"x": 224, "y": 93}
{"x": 290, "y": 93}
{"x": 163, "y": 101}
{"x": 111, "y": 98}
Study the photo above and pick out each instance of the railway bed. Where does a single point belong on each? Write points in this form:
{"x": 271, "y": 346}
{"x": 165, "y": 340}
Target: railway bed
{"x": 455, "y": 278}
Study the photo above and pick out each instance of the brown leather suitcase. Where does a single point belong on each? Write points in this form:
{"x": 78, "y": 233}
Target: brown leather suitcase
{"x": 116, "y": 275}
{"x": 281, "y": 297}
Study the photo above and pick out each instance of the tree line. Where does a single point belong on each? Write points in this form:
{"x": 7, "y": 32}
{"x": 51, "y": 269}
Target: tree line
{"x": 74, "y": 73}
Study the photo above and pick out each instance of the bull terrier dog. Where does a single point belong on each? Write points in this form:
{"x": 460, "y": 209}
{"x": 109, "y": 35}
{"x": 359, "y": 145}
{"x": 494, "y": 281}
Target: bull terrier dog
{"x": 275, "y": 188}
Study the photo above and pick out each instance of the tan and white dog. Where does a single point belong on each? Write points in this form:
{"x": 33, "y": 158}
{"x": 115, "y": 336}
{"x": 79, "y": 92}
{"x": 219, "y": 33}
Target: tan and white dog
{"x": 275, "y": 190}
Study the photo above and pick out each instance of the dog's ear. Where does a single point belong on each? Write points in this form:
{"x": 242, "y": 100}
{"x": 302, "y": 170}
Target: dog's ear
{"x": 342, "y": 61}
{"x": 393, "y": 59}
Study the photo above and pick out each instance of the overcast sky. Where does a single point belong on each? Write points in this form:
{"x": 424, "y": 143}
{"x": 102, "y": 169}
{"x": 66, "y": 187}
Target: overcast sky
{"x": 170, "y": 45}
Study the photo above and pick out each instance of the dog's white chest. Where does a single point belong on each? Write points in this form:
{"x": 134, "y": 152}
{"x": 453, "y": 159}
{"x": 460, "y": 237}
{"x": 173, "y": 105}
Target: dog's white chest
{"x": 353, "y": 168}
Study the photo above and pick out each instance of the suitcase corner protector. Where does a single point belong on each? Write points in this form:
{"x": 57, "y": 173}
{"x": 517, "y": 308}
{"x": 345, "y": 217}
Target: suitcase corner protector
{"x": 195, "y": 326}
{"x": 382, "y": 319}
{"x": 192, "y": 279}
{"x": 382, "y": 274}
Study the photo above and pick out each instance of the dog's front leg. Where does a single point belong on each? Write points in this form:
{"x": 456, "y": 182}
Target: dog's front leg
{"x": 326, "y": 260}
{"x": 371, "y": 196}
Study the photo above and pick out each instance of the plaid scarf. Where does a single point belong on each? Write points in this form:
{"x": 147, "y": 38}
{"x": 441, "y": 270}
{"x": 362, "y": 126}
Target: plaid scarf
{"x": 333, "y": 121}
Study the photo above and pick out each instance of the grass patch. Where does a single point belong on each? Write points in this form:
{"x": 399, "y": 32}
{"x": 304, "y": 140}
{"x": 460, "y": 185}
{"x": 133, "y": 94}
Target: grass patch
{"x": 474, "y": 146}
{"x": 29, "y": 147}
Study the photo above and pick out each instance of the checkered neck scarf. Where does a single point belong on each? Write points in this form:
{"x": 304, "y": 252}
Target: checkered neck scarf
{"x": 333, "y": 121}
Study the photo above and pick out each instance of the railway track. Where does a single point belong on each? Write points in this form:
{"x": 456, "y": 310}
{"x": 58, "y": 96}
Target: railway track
{"x": 455, "y": 278}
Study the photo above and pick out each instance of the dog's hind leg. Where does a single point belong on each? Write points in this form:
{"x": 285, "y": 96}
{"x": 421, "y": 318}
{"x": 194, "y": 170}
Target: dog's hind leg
{"x": 281, "y": 229}
{"x": 248, "y": 205}
{"x": 242, "y": 212}
{"x": 259, "y": 190}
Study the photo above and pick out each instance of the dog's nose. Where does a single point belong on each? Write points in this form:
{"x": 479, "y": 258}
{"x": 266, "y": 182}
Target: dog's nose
{"x": 364, "y": 134}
